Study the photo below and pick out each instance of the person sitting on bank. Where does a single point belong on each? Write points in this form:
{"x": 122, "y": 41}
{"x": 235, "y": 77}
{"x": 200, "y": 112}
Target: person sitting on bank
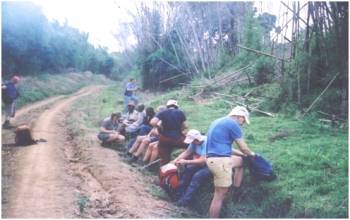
{"x": 109, "y": 130}
{"x": 130, "y": 117}
{"x": 196, "y": 171}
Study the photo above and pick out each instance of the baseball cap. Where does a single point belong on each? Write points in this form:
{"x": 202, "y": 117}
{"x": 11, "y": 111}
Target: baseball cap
{"x": 192, "y": 135}
{"x": 172, "y": 102}
{"x": 240, "y": 111}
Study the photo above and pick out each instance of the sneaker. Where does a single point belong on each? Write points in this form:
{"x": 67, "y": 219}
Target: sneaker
{"x": 6, "y": 125}
{"x": 181, "y": 203}
{"x": 133, "y": 159}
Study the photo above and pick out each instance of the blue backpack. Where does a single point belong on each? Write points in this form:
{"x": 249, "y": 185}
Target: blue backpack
{"x": 260, "y": 168}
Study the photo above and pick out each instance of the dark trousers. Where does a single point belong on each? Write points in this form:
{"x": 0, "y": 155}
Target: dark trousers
{"x": 166, "y": 146}
{"x": 190, "y": 181}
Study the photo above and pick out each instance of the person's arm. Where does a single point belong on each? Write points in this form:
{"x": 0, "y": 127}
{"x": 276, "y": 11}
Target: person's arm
{"x": 155, "y": 122}
{"x": 184, "y": 126}
{"x": 183, "y": 155}
{"x": 244, "y": 147}
{"x": 198, "y": 161}
{"x": 238, "y": 153}
{"x": 103, "y": 129}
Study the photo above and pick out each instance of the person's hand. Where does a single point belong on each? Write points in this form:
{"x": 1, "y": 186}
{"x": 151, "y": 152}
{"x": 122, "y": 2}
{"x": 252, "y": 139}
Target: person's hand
{"x": 181, "y": 162}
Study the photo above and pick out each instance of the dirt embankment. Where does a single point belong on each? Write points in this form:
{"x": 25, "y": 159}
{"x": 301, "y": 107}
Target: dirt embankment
{"x": 65, "y": 178}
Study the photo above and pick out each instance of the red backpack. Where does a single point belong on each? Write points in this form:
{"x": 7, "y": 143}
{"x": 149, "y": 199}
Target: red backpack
{"x": 169, "y": 177}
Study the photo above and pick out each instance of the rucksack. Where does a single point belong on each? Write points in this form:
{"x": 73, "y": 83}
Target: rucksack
{"x": 5, "y": 97}
{"x": 169, "y": 178}
{"x": 260, "y": 168}
{"x": 23, "y": 136}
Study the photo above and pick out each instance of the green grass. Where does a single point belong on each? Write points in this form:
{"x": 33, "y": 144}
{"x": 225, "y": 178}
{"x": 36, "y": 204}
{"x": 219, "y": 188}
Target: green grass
{"x": 37, "y": 88}
{"x": 311, "y": 161}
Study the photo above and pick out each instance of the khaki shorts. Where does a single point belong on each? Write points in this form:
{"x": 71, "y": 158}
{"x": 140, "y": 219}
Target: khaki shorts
{"x": 221, "y": 167}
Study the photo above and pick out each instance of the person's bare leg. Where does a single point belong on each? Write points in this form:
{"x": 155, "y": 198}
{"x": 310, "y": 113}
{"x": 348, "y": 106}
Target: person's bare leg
{"x": 239, "y": 171}
{"x": 154, "y": 153}
{"x": 135, "y": 146}
{"x": 216, "y": 203}
{"x": 142, "y": 147}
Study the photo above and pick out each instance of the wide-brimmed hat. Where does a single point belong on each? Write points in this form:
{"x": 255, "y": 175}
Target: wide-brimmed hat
{"x": 193, "y": 135}
{"x": 240, "y": 111}
{"x": 172, "y": 102}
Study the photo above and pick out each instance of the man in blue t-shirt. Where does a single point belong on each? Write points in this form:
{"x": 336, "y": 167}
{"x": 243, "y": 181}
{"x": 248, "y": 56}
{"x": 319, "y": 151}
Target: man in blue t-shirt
{"x": 171, "y": 122}
{"x": 220, "y": 160}
{"x": 129, "y": 93}
{"x": 9, "y": 96}
{"x": 196, "y": 170}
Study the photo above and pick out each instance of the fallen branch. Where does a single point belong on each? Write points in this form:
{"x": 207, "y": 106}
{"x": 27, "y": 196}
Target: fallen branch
{"x": 259, "y": 52}
{"x": 318, "y": 97}
{"x": 173, "y": 77}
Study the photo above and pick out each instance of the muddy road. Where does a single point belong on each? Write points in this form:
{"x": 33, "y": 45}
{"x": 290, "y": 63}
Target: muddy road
{"x": 64, "y": 178}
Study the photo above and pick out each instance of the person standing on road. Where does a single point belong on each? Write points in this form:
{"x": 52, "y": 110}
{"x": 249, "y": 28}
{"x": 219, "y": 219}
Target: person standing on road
{"x": 9, "y": 96}
{"x": 171, "y": 123}
{"x": 221, "y": 135}
{"x": 129, "y": 93}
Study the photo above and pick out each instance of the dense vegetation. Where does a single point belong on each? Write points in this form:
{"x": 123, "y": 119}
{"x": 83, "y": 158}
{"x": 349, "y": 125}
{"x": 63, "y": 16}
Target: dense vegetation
{"x": 179, "y": 41}
{"x": 32, "y": 45}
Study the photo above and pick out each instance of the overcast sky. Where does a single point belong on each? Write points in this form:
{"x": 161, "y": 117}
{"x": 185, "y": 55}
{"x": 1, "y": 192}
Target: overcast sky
{"x": 100, "y": 18}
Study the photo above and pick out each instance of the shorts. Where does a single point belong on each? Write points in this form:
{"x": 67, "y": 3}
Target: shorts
{"x": 221, "y": 168}
{"x": 153, "y": 139}
{"x": 10, "y": 109}
{"x": 103, "y": 137}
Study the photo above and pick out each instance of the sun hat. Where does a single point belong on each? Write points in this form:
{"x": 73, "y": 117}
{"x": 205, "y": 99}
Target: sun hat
{"x": 172, "y": 102}
{"x": 193, "y": 135}
{"x": 240, "y": 111}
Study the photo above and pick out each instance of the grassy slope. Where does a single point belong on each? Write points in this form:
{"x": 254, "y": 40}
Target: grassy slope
{"x": 43, "y": 86}
{"x": 311, "y": 162}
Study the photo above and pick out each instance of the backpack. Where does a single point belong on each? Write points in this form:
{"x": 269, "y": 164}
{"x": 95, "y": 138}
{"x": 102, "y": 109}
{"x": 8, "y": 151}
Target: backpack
{"x": 5, "y": 97}
{"x": 260, "y": 168}
{"x": 23, "y": 136}
{"x": 169, "y": 178}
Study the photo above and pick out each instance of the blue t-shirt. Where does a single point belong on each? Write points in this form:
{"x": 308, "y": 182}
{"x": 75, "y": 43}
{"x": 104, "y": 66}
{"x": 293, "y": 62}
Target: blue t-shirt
{"x": 221, "y": 134}
{"x": 172, "y": 120}
{"x": 199, "y": 149}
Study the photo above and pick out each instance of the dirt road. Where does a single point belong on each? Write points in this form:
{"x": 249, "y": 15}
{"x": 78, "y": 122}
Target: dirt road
{"x": 61, "y": 178}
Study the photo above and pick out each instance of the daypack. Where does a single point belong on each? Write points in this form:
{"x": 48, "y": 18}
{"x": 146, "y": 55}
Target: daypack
{"x": 5, "y": 97}
{"x": 169, "y": 177}
{"x": 260, "y": 168}
{"x": 23, "y": 136}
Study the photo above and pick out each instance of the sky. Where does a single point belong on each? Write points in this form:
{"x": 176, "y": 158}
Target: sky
{"x": 101, "y": 18}
{"x": 98, "y": 18}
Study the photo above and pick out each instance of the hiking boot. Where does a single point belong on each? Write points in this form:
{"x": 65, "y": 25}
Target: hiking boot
{"x": 181, "y": 203}
{"x": 236, "y": 194}
{"x": 133, "y": 159}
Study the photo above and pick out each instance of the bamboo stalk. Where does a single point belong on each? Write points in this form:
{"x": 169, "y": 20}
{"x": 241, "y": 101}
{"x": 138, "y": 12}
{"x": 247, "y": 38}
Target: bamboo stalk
{"x": 258, "y": 52}
{"x": 318, "y": 97}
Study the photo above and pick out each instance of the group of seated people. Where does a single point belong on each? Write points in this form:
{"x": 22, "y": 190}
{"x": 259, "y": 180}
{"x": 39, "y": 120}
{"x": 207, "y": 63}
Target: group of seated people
{"x": 157, "y": 133}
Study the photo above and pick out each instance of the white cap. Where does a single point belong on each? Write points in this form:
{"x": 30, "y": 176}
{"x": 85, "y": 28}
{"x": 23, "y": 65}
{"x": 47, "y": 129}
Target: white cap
{"x": 240, "y": 111}
{"x": 193, "y": 135}
{"x": 172, "y": 102}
